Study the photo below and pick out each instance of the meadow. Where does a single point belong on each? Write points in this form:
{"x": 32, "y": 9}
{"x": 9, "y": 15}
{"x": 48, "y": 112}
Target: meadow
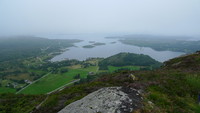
{"x": 54, "y": 81}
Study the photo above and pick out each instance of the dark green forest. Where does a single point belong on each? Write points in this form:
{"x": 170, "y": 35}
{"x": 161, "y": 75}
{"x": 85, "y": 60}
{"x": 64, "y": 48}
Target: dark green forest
{"x": 124, "y": 59}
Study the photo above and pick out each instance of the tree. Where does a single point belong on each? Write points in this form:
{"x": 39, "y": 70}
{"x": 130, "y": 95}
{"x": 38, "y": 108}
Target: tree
{"x": 77, "y": 76}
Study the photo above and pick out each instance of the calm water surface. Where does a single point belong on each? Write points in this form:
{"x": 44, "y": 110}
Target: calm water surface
{"x": 107, "y": 50}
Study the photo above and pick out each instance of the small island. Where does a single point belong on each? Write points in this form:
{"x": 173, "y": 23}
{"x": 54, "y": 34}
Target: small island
{"x": 88, "y": 46}
{"x": 113, "y": 42}
{"x": 99, "y": 43}
{"x": 94, "y": 44}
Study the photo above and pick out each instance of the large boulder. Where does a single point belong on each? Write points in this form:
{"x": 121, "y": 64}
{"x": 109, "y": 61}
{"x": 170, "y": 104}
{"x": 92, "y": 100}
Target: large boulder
{"x": 107, "y": 100}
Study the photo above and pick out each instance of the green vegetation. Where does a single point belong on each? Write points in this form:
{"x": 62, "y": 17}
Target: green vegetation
{"x": 23, "y": 47}
{"x": 128, "y": 59}
{"x": 93, "y": 45}
{"x": 55, "y": 102}
{"x": 194, "y": 81}
{"x": 173, "y": 88}
{"x": 44, "y": 85}
{"x": 131, "y": 68}
{"x": 63, "y": 75}
{"x": 161, "y": 43}
{"x": 11, "y": 103}
{"x": 170, "y": 92}
{"x": 185, "y": 62}
{"x": 25, "y": 59}
{"x": 53, "y": 81}
{"x": 176, "y": 86}
{"x": 166, "y": 89}
{"x": 7, "y": 90}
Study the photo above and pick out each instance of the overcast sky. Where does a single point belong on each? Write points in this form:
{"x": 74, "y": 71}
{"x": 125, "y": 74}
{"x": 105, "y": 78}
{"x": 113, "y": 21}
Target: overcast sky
{"x": 168, "y": 17}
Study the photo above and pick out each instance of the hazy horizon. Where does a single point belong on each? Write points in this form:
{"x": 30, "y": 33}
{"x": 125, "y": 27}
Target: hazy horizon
{"x": 117, "y": 17}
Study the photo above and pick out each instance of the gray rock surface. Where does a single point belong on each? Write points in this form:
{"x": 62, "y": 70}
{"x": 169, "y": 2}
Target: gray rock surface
{"x": 106, "y": 100}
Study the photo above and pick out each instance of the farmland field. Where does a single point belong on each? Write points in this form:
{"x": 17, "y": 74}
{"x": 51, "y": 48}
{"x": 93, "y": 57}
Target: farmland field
{"x": 7, "y": 90}
{"x": 54, "y": 81}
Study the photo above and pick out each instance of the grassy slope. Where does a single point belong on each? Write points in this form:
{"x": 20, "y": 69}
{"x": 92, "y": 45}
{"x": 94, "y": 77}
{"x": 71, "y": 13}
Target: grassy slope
{"x": 11, "y": 103}
{"x": 176, "y": 86}
{"x": 170, "y": 91}
{"x": 113, "y": 68}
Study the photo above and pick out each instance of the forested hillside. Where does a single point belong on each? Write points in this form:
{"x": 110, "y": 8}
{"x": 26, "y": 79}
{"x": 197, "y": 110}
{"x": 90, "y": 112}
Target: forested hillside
{"x": 125, "y": 59}
{"x": 22, "y": 47}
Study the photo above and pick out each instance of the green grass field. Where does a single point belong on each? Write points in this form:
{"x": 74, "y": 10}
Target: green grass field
{"x": 113, "y": 68}
{"x": 7, "y": 90}
{"x": 54, "y": 81}
{"x": 90, "y": 69}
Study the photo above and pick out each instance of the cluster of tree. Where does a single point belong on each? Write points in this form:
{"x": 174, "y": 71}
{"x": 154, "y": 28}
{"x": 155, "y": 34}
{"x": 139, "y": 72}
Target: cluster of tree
{"x": 58, "y": 70}
{"x": 125, "y": 59}
{"x": 78, "y": 76}
{"x": 18, "y": 81}
{"x": 3, "y": 74}
{"x": 85, "y": 64}
{"x": 56, "y": 65}
{"x": 90, "y": 78}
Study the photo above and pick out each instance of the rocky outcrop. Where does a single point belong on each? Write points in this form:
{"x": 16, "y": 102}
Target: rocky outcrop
{"x": 107, "y": 100}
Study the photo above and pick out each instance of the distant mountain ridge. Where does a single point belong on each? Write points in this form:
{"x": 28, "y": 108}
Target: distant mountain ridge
{"x": 23, "y": 47}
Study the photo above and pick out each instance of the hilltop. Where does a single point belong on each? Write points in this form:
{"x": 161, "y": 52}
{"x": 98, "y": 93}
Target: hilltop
{"x": 124, "y": 59}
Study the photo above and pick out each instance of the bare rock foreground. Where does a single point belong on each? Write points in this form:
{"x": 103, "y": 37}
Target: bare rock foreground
{"x": 107, "y": 100}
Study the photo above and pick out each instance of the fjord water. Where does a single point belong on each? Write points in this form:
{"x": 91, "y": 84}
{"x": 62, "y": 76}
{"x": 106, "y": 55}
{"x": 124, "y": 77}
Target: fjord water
{"x": 110, "y": 48}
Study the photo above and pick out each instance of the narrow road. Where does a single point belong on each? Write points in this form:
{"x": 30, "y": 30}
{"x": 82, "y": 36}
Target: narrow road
{"x": 62, "y": 87}
{"x": 32, "y": 83}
